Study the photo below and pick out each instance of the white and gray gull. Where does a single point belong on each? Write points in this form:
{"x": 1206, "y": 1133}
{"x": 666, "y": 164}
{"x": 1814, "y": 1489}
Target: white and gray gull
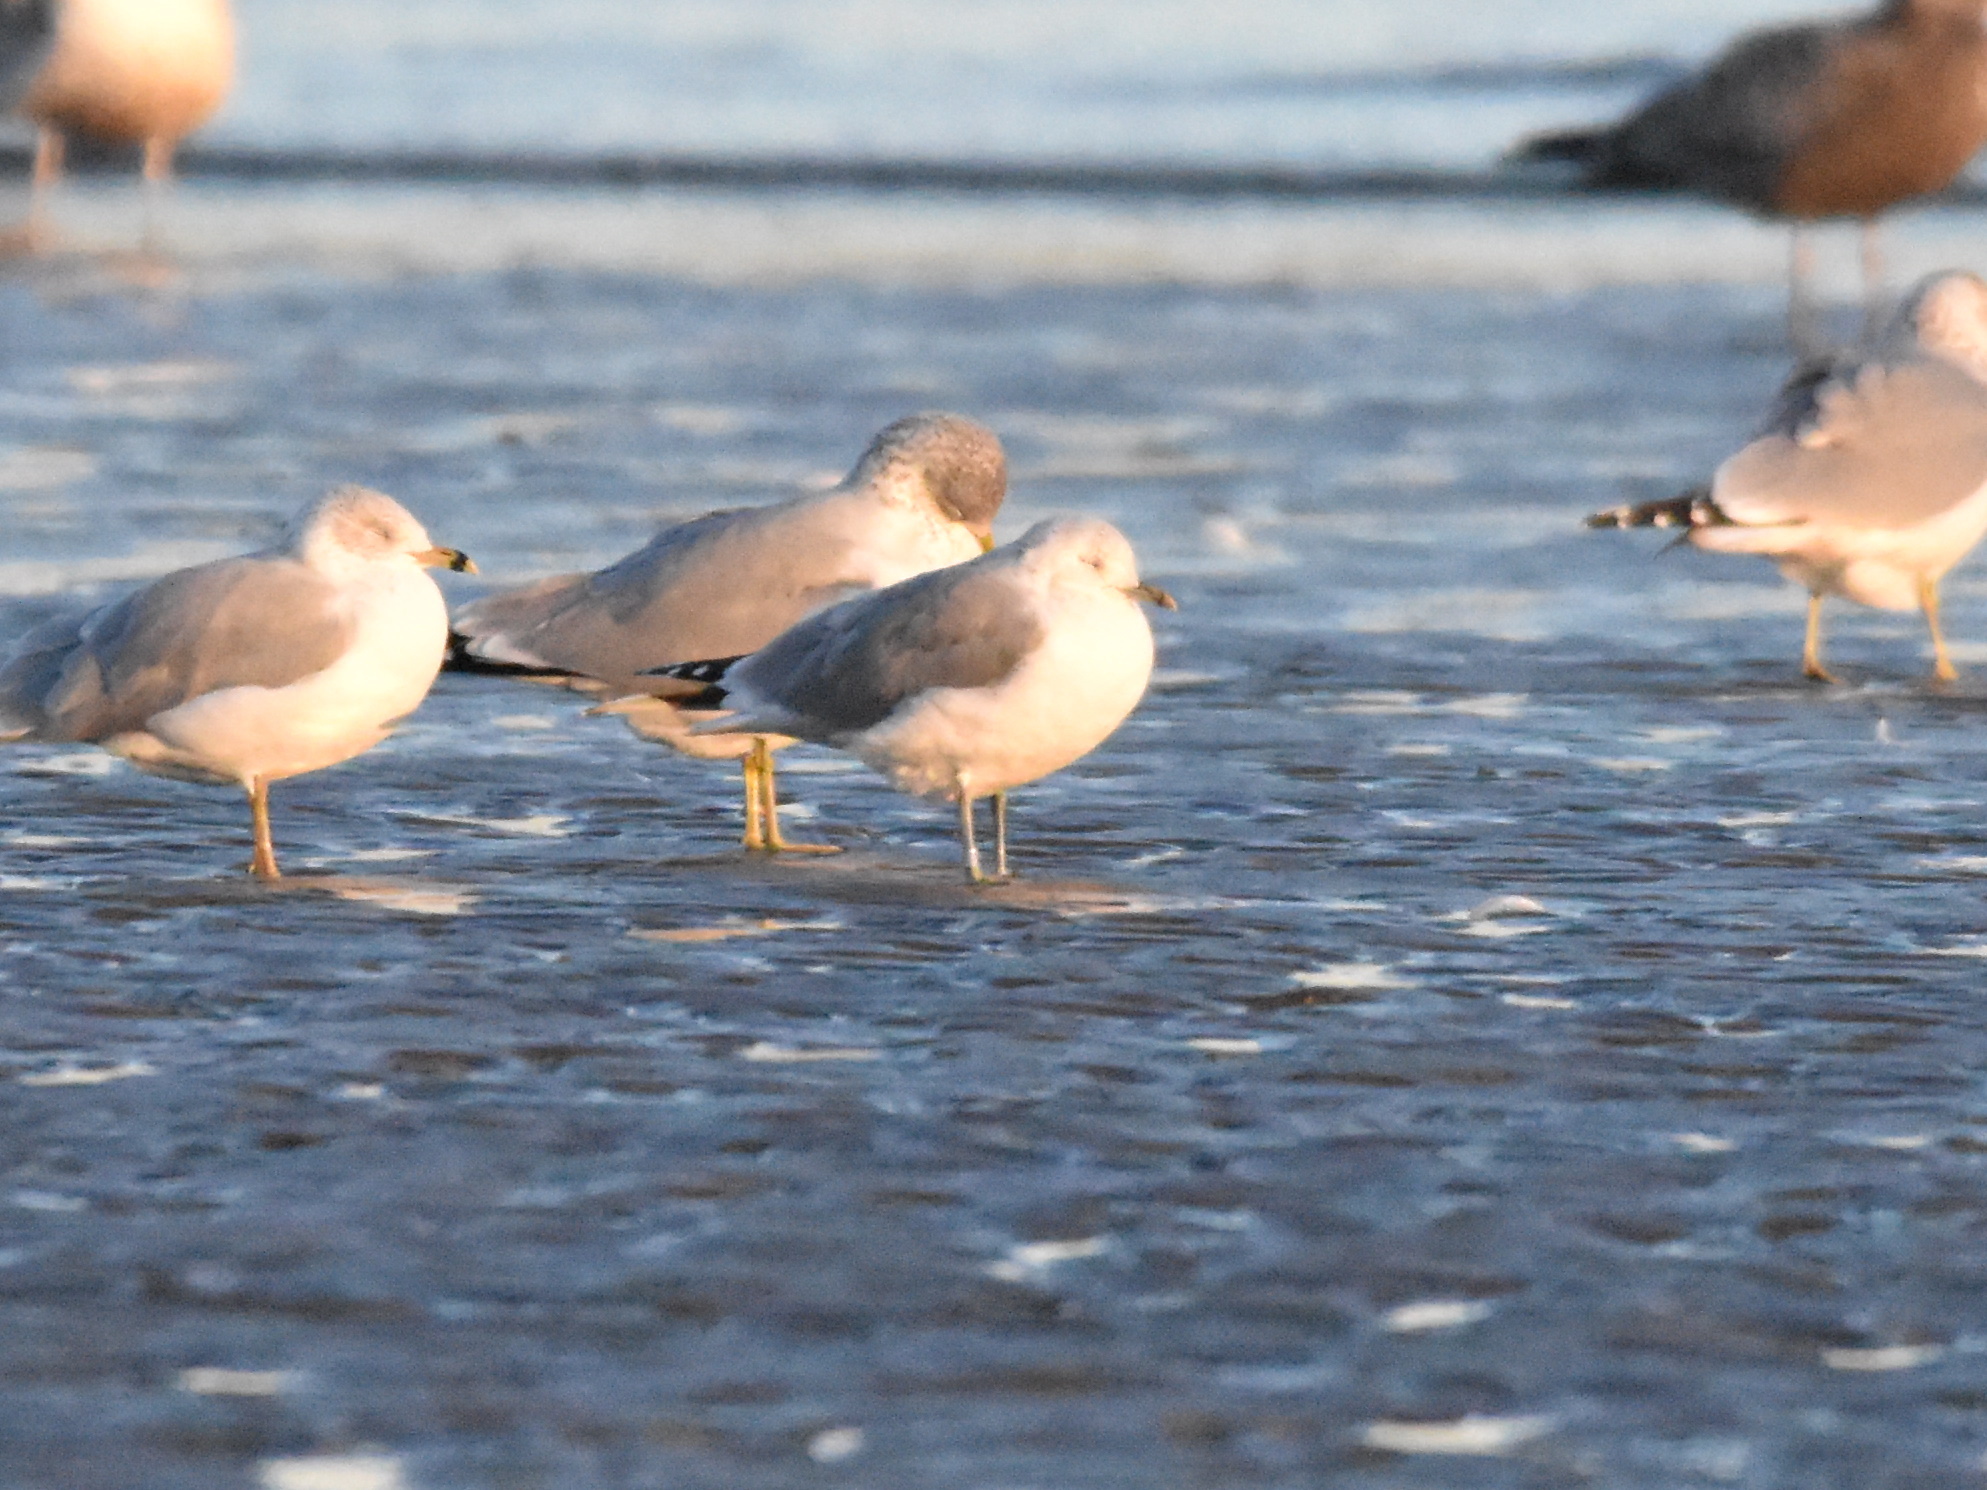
{"x": 924, "y": 495}
{"x": 1830, "y": 119}
{"x": 963, "y": 683}
{"x": 1869, "y": 481}
{"x": 253, "y": 669}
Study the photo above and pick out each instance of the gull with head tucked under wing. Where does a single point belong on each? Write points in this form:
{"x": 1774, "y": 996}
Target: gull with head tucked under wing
{"x": 924, "y": 495}
{"x": 962, "y": 683}
{"x": 249, "y": 670}
{"x": 1870, "y": 479}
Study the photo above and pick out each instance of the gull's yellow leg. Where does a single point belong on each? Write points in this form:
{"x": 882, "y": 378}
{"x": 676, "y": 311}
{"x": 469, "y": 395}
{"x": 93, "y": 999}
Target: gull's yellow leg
{"x": 1000, "y": 835}
{"x": 966, "y": 838}
{"x": 49, "y": 150}
{"x": 263, "y": 865}
{"x": 1811, "y": 656}
{"x": 1873, "y": 277}
{"x": 158, "y": 179}
{"x": 769, "y": 799}
{"x": 1942, "y": 663}
{"x": 755, "y": 838}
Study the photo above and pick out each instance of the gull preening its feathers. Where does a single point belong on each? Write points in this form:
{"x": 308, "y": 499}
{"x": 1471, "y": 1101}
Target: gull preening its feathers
{"x": 962, "y": 683}
{"x": 254, "y": 669}
{"x": 924, "y": 495}
{"x": 1870, "y": 479}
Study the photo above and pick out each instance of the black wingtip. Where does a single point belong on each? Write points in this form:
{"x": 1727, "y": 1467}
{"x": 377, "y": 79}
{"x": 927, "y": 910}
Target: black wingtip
{"x": 460, "y": 659}
{"x": 708, "y": 673}
{"x": 1693, "y": 509}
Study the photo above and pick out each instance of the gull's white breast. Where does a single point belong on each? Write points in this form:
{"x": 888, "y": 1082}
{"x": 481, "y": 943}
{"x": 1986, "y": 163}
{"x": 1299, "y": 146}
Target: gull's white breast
{"x": 239, "y": 734}
{"x": 1063, "y": 701}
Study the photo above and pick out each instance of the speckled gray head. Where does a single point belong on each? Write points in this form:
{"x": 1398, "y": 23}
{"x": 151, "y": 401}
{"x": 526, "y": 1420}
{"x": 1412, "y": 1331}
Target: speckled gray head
{"x": 358, "y": 522}
{"x": 960, "y": 459}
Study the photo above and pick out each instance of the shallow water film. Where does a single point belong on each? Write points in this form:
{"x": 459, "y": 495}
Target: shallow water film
{"x": 1483, "y": 1021}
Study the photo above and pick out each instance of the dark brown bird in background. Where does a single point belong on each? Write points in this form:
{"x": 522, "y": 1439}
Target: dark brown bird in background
{"x": 1839, "y": 119}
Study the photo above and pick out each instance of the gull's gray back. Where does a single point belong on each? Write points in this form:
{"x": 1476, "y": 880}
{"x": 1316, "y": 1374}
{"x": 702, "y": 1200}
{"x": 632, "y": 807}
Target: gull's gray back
{"x": 27, "y": 29}
{"x": 845, "y": 670}
{"x": 1868, "y": 446}
{"x": 718, "y": 586}
{"x": 261, "y": 621}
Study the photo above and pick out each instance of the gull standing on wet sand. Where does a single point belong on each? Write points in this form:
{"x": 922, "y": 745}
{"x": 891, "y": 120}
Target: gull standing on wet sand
{"x": 1870, "y": 479}
{"x": 923, "y": 496}
{"x": 964, "y": 683}
{"x": 124, "y": 72}
{"x": 254, "y": 669}
{"x": 1832, "y": 119}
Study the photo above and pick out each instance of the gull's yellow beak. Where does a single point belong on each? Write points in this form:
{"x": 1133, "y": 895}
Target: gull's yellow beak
{"x": 986, "y": 542}
{"x": 1153, "y": 595}
{"x": 446, "y": 558}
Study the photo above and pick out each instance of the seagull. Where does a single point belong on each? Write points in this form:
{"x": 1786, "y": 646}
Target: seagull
{"x": 924, "y": 495}
{"x": 124, "y": 72}
{"x": 1832, "y": 119}
{"x": 253, "y": 669}
{"x": 1869, "y": 480}
{"x": 963, "y": 683}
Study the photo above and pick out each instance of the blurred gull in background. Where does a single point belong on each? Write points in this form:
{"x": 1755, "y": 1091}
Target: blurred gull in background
{"x": 924, "y": 495}
{"x": 963, "y": 683}
{"x": 118, "y": 72}
{"x": 1830, "y": 119}
{"x": 254, "y": 669}
{"x": 1870, "y": 479}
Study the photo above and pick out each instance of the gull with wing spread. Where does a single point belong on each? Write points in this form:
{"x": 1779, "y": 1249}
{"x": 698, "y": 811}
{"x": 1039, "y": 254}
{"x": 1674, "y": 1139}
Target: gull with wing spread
{"x": 962, "y": 683}
{"x": 1870, "y": 479}
{"x": 1833, "y": 119}
{"x": 923, "y": 496}
{"x": 249, "y": 670}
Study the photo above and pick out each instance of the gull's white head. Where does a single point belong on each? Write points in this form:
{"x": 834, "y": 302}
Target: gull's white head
{"x": 1090, "y": 553}
{"x": 354, "y": 524}
{"x": 1946, "y": 315}
{"x": 953, "y": 463}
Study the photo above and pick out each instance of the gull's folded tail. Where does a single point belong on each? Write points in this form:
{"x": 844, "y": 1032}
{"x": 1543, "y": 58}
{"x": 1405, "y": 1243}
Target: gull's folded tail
{"x": 1693, "y": 509}
{"x": 1582, "y": 147}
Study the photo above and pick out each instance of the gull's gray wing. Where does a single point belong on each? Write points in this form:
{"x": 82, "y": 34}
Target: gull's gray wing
{"x": 263, "y": 620}
{"x": 848, "y": 668}
{"x": 719, "y": 585}
{"x": 27, "y": 29}
{"x": 1730, "y": 130}
{"x": 1877, "y": 447}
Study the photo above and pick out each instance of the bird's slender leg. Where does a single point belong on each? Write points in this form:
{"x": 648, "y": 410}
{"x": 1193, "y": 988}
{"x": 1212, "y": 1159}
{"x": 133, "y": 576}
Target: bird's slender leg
{"x": 1942, "y": 663}
{"x": 1000, "y": 835}
{"x": 1801, "y": 329}
{"x": 769, "y": 804}
{"x": 1811, "y": 654}
{"x": 263, "y": 865}
{"x": 158, "y": 180}
{"x": 971, "y": 844}
{"x": 1873, "y": 277}
{"x": 755, "y": 839}
{"x": 48, "y": 154}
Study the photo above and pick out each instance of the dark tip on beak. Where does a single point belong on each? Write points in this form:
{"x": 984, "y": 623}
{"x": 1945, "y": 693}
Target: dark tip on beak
{"x": 1153, "y": 595}
{"x": 452, "y": 559}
